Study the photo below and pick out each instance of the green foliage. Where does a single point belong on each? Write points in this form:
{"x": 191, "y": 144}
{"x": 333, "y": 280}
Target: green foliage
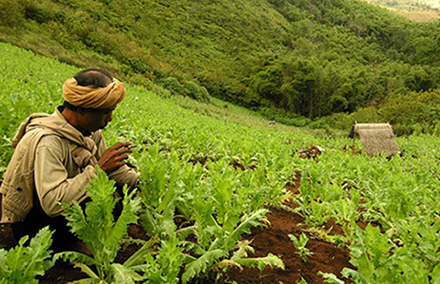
{"x": 408, "y": 113}
{"x": 102, "y": 234}
{"x": 23, "y": 263}
{"x": 300, "y": 244}
{"x": 166, "y": 266}
{"x": 21, "y": 80}
{"x": 11, "y": 13}
{"x": 203, "y": 196}
{"x": 189, "y": 89}
{"x": 216, "y": 240}
{"x": 211, "y": 172}
{"x": 193, "y": 91}
{"x": 375, "y": 256}
{"x": 173, "y": 85}
{"x": 240, "y": 258}
{"x": 330, "y": 278}
{"x": 41, "y": 11}
{"x": 159, "y": 199}
{"x": 309, "y": 58}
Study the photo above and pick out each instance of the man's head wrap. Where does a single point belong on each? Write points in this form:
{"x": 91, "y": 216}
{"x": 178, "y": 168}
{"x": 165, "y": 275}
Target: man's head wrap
{"x": 93, "y": 97}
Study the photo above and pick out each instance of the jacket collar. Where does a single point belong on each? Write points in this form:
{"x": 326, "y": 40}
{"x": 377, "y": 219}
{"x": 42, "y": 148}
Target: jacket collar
{"x": 57, "y": 123}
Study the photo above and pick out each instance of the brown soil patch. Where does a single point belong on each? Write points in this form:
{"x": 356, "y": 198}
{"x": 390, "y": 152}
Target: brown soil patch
{"x": 326, "y": 257}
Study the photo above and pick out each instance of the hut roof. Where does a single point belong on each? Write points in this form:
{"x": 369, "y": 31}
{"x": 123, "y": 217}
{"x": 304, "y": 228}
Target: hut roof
{"x": 376, "y": 138}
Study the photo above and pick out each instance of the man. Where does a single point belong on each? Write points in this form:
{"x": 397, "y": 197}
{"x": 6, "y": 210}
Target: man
{"x": 55, "y": 157}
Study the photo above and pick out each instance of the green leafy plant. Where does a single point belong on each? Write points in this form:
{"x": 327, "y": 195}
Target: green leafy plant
{"x": 223, "y": 210}
{"x": 300, "y": 243}
{"x": 240, "y": 258}
{"x": 330, "y": 278}
{"x": 23, "y": 263}
{"x": 215, "y": 256}
{"x": 214, "y": 206}
{"x": 98, "y": 229}
{"x": 379, "y": 260}
{"x": 165, "y": 267}
{"x": 160, "y": 192}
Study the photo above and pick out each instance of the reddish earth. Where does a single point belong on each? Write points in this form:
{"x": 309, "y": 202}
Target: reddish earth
{"x": 326, "y": 257}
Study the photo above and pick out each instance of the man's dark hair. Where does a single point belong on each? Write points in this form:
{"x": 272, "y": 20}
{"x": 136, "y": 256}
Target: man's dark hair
{"x": 94, "y": 77}
{"x": 70, "y": 106}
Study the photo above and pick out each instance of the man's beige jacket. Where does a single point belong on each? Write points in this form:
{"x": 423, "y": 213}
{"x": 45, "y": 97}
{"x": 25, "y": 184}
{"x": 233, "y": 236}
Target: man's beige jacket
{"x": 52, "y": 164}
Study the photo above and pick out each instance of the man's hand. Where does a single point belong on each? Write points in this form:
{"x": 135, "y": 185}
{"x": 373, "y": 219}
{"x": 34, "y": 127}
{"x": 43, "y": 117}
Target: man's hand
{"x": 114, "y": 157}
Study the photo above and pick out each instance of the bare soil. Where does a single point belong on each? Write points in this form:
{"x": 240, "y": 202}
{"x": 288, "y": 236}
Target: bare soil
{"x": 326, "y": 257}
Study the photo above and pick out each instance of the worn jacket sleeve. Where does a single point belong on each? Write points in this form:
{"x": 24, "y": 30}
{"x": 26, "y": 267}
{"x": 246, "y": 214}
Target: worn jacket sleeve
{"x": 54, "y": 183}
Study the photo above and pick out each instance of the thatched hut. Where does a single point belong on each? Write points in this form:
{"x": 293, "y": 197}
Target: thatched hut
{"x": 376, "y": 138}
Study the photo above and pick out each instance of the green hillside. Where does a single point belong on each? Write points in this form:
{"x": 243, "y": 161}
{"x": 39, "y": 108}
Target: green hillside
{"x": 309, "y": 62}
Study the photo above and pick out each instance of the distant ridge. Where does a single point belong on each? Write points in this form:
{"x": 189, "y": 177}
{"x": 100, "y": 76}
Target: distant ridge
{"x": 416, "y": 10}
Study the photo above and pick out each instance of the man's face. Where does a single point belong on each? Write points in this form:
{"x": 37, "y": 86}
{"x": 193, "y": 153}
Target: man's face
{"x": 95, "y": 119}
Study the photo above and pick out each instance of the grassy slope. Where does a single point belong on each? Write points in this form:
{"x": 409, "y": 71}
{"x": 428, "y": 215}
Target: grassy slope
{"x": 31, "y": 83}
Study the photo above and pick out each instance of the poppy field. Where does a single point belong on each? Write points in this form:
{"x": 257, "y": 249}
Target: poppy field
{"x": 217, "y": 179}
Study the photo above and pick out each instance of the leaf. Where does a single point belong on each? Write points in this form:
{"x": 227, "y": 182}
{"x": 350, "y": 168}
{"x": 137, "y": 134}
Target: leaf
{"x": 75, "y": 257}
{"x": 330, "y": 278}
{"x": 239, "y": 259}
{"x": 183, "y": 233}
{"x": 168, "y": 262}
{"x": 97, "y": 228}
{"x": 202, "y": 263}
{"x": 84, "y": 268}
{"x": 80, "y": 226}
{"x": 3, "y": 266}
{"x": 241, "y": 252}
{"x": 246, "y": 222}
{"x": 22, "y": 264}
{"x": 261, "y": 262}
{"x": 435, "y": 275}
{"x": 138, "y": 257}
{"x": 149, "y": 222}
{"x": 128, "y": 216}
{"x": 39, "y": 250}
{"x": 124, "y": 275}
{"x": 87, "y": 281}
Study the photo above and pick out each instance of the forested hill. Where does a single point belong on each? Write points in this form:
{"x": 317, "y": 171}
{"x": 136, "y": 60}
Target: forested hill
{"x": 310, "y": 58}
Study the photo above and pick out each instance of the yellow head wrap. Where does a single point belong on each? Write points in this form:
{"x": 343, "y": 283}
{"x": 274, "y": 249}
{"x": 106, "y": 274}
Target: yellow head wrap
{"x": 93, "y": 97}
